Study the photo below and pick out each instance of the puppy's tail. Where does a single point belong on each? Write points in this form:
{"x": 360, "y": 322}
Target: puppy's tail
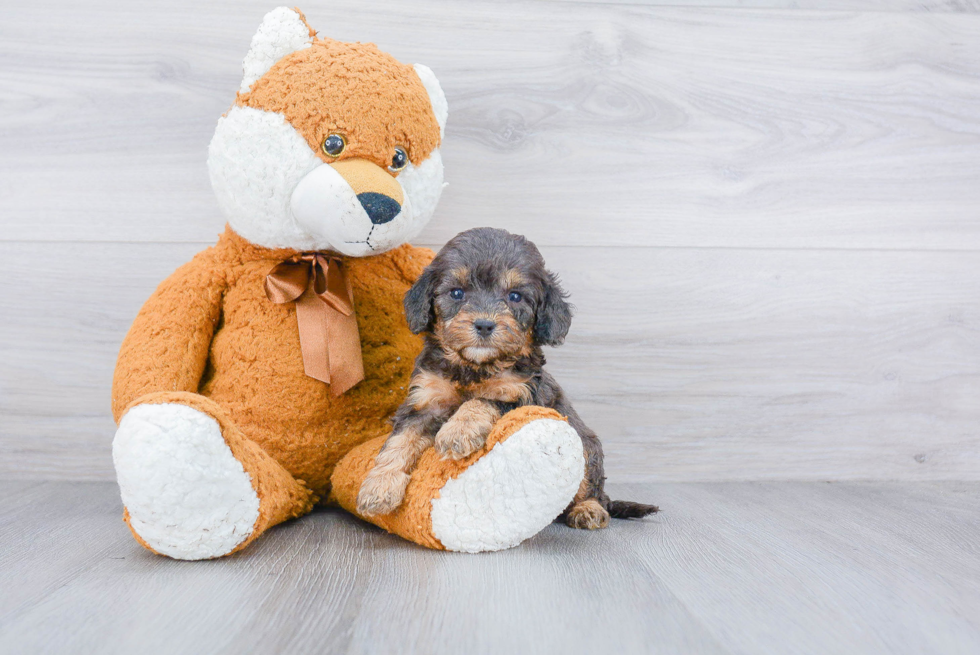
{"x": 624, "y": 509}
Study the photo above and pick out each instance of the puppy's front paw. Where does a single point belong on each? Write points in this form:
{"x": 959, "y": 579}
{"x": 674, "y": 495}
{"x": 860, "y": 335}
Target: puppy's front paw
{"x": 587, "y": 515}
{"x": 459, "y": 438}
{"x": 381, "y": 492}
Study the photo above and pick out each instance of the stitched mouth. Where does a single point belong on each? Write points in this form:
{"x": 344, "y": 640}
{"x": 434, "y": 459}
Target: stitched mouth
{"x": 367, "y": 240}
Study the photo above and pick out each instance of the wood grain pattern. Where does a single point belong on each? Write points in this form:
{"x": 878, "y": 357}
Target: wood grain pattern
{"x": 596, "y": 124}
{"x": 766, "y": 212}
{"x": 690, "y": 364}
{"x": 725, "y": 568}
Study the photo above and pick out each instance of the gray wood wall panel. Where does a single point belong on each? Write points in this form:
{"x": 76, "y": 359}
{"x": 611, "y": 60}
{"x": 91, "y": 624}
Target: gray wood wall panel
{"x": 768, "y": 217}
{"x": 637, "y": 125}
{"x": 691, "y": 363}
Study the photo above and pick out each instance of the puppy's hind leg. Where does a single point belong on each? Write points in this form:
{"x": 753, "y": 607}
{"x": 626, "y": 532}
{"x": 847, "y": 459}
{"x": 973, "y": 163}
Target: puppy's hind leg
{"x": 384, "y": 487}
{"x": 587, "y": 510}
{"x": 587, "y": 514}
{"x": 591, "y": 508}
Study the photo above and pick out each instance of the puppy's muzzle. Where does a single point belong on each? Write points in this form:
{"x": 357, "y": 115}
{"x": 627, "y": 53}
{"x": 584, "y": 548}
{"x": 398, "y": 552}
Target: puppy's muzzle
{"x": 484, "y": 327}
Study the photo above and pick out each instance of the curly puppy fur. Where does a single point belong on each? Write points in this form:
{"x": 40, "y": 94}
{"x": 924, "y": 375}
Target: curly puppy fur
{"x": 486, "y": 305}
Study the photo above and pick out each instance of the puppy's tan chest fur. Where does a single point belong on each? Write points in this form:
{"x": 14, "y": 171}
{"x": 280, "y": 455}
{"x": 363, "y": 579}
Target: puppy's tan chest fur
{"x": 506, "y": 387}
{"x": 432, "y": 392}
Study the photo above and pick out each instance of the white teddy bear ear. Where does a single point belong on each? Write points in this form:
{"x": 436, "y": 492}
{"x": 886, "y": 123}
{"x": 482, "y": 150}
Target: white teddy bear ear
{"x": 283, "y": 30}
{"x": 436, "y": 97}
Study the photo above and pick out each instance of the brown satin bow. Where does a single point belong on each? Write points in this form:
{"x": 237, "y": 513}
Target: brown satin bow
{"x": 324, "y": 300}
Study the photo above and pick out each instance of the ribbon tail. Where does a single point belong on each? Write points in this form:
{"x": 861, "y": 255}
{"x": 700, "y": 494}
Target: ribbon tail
{"x": 328, "y": 337}
{"x": 311, "y": 315}
{"x": 346, "y": 365}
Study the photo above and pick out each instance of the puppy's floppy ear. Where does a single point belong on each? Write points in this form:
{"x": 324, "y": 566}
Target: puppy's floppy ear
{"x": 418, "y": 302}
{"x": 554, "y": 315}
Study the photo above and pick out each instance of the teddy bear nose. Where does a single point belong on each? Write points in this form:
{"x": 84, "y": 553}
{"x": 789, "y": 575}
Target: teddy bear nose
{"x": 379, "y": 207}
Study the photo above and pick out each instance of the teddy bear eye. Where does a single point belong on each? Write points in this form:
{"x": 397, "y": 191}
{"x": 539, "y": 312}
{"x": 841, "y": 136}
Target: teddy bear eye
{"x": 334, "y": 145}
{"x": 457, "y": 294}
{"x": 399, "y": 160}
{"x": 515, "y": 296}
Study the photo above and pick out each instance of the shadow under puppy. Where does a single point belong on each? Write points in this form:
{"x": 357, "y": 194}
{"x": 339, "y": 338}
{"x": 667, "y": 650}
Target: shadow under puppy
{"x": 487, "y": 305}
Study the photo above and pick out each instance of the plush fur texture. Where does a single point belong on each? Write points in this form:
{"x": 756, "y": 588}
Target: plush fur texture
{"x": 353, "y": 89}
{"x": 282, "y": 31}
{"x": 221, "y": 433}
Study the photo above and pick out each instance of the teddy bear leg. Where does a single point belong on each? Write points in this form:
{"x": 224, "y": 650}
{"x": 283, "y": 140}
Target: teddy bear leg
{"x": 507, "y": 491}
{"x": 192, "y": 485}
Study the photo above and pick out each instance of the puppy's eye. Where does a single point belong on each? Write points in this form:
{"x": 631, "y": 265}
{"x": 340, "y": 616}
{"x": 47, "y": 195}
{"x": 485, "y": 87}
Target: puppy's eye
{"x": 334, "y": 145}
{"x": 399, "y": 160}
{"x": 515, "y": 296}
{"x": 457, "y": 294}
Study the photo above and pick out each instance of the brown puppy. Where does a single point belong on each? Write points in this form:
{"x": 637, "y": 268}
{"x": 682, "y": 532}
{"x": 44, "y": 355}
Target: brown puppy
{"x": 487, "y": 305}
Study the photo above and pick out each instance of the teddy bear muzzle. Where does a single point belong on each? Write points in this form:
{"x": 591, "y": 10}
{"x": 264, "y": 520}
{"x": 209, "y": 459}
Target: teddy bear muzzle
{"x": 378, "y": 192}
{"x": 354, "y": 203}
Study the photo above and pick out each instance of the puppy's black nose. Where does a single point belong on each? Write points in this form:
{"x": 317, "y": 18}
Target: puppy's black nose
{"x": 379, "y": 207}
{"x": 484, "y": 326}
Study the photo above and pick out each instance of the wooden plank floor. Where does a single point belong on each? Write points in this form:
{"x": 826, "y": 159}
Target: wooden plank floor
{"x": 784, "y": 567}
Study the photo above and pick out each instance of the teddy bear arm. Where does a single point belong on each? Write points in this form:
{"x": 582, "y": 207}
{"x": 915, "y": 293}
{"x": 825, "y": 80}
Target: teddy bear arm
{"x": 166, "y": 348}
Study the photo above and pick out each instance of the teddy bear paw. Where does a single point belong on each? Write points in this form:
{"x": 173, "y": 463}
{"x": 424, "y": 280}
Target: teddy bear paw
{"x": 512, "y": 492}
{"x": 186, "y": 495}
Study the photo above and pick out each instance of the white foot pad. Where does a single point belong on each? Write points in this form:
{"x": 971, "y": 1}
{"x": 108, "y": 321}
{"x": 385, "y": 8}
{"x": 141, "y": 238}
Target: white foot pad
{"x": 187, "y": 495}
{"x": 513, "y": 491}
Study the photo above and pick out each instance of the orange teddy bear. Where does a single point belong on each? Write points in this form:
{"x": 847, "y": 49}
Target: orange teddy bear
{"x": 259, "y": 378}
